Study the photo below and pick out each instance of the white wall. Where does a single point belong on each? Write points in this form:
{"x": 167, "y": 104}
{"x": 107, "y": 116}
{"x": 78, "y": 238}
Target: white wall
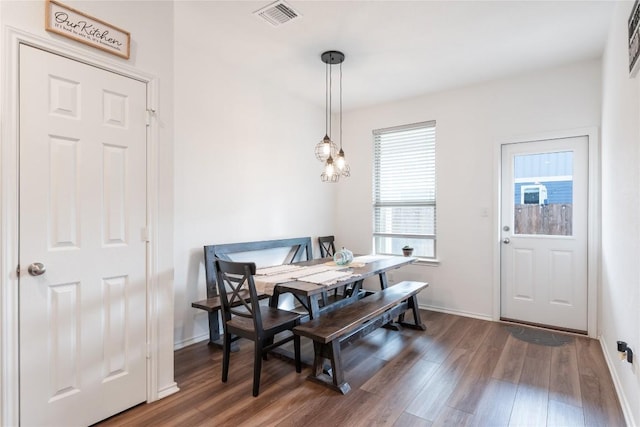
{"x": 236, "y": 139}
{"x": 471, "y": 122}
{"x": 620, "y": 293}
{"x": 244, "y": 163}
{"x": 151, "y": 53}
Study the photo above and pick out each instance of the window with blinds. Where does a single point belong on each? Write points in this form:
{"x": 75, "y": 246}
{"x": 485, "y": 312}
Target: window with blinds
{"x": 404, "y": 189}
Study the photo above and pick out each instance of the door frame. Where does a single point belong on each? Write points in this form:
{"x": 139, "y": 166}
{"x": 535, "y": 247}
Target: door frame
{"x": 9, "y": 215}
{"x": 593, "y": 218}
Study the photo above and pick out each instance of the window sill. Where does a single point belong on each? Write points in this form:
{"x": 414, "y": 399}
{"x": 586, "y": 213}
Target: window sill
{"x": 428, "y": 262}
{"x": 433, "y": 262}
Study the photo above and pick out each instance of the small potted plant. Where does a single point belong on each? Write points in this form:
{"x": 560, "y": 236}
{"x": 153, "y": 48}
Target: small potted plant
{"x": 407, "y": 250}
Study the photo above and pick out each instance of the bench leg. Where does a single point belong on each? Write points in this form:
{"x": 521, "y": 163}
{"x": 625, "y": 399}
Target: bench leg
{"x": 335, "y": 381}
{"x": 318, "y": 359}
{"x": 336, "y": 367}
{"x": 214, "y": 328}
{"x": 417, "y": 321}
{"x": 214, "y": 332}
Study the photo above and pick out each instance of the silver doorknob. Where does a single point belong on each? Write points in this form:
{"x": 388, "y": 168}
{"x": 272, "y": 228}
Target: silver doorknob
{"x": 36, "y": 269}
{"x": 506, "y": 241}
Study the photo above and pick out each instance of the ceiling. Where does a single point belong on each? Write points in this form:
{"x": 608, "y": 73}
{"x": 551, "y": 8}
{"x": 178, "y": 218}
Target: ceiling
{"x": 400, "y": 49}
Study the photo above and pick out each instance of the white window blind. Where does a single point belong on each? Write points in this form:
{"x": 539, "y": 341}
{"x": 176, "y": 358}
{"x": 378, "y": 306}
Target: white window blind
{"x": 404, "y": 181}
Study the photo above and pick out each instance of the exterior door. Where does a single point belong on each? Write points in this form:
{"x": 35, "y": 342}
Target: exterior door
{"x": 544, "y": 233}
{"x": 82, "y": 256}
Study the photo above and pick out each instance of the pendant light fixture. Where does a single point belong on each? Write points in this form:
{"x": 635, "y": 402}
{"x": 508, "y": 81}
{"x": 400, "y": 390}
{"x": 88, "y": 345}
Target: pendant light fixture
{"x": 326, "y": 147}
{"x": 326, "y": 150}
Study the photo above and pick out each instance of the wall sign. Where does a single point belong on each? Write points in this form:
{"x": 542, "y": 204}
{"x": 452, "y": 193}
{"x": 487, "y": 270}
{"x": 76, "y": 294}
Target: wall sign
{"x": 634, "y": 39}
{"x": 71, "y": 23}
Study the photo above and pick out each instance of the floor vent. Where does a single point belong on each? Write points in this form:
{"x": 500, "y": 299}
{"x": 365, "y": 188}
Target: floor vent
{"x": 277, "y": 13}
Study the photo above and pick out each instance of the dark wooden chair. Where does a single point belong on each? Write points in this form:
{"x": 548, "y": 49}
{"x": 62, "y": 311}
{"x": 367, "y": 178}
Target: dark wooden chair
{"x": 328, "y": 249}
{"x": 245, "y": 318}
{"x": 327, "y": 246}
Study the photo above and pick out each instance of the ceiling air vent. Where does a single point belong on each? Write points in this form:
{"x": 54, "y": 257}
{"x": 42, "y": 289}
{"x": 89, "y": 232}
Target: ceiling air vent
{"x": 277, "y": 13}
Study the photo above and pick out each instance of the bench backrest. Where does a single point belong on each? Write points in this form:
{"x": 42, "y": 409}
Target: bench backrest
{"x": 300, "y": 249}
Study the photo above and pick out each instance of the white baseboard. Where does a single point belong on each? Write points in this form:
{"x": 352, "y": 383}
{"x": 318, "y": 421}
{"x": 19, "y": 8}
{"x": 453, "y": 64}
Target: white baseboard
{"x": 456, "y": 312}
{"x": 624, "y": 402}
{"x": 168, "y": 390}
{"x": 189, "y": 341}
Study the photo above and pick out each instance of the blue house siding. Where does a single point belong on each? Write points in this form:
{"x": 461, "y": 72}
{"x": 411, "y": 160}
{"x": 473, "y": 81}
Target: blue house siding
{"x": 558, "y": 192}
{"x": 543, "y": 164}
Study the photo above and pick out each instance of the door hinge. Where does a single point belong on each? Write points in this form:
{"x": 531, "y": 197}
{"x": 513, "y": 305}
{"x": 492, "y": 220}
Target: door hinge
{"x": 150, "y": 113}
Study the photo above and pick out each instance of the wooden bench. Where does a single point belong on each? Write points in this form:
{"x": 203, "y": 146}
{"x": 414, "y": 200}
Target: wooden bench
{"x": 300, "y": 249}
{"x": 333, "y": 329}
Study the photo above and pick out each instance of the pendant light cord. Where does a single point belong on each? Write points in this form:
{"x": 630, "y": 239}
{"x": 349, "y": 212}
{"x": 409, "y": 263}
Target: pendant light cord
{"x": 326, "y": 99}
{"x": 330, "y": 90}
{"x": 341, "y": 106}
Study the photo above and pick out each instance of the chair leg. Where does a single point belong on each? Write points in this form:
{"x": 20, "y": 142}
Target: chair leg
{"x": 257, "y": 367}
{"x": 226, "y": 353}
{"x": 296, "y": 350}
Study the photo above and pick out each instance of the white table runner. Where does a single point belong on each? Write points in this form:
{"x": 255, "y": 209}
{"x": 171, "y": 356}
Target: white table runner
{"x": 321, "y": 274}
{"x": 328, "y": 277}
{"x": 278, "y": 269}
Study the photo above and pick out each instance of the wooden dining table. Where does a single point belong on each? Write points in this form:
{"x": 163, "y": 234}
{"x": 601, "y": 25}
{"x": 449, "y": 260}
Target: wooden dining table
{"x": 310, "y": 295}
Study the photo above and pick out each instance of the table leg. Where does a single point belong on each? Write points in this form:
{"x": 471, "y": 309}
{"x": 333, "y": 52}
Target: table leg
{"x": 275, "y": 297}
{"x": 383, "y": 280}
{"x": 311, "y": 305}
{"x": 314, "y": 307}
{"x": 384, "y": 284}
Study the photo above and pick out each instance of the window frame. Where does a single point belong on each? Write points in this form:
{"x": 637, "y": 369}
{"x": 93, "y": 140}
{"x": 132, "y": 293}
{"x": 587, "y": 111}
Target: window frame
{"x": 376, "y": 184}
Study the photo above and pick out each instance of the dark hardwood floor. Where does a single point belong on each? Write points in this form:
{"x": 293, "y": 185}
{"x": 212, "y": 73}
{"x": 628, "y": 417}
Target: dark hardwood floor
{"x": 460, "y": 372}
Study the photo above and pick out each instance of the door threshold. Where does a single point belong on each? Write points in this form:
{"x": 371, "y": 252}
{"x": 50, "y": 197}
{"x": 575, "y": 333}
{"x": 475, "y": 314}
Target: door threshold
{"x": 543, "y": 326}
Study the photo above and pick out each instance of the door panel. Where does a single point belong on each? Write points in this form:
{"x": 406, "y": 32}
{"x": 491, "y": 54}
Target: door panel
{"x": 523, "y": 273}
{"x": 82, "y": 210}
{"x": 544, "y": 232}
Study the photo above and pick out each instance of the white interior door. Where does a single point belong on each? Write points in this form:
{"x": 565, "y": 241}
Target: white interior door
{"x": 82, "y": 212}
{"x": 544, "y": 232}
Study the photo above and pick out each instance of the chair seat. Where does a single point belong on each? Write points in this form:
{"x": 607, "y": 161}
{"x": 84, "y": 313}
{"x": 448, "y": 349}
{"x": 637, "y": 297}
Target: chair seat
{"x": 272, "y": 318}
{"x": 215, "y": 303}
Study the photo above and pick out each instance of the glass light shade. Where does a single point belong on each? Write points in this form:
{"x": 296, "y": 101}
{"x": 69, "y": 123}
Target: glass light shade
{"x": 329, "y": 178}
{"x": 329, "y": 168}
{"x": 325, "y": 149}
{"x": 340, "y": 161}
{"x": 330, "y": 173}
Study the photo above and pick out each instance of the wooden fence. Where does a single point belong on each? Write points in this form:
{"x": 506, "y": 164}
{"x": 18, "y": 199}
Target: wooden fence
{"x": 553, "y": 219}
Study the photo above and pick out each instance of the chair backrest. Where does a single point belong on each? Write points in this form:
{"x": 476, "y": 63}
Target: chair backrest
{"x": 299, "y": 247}
{"x": 235, "y": 280}
{"x": 327, "y": 247}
